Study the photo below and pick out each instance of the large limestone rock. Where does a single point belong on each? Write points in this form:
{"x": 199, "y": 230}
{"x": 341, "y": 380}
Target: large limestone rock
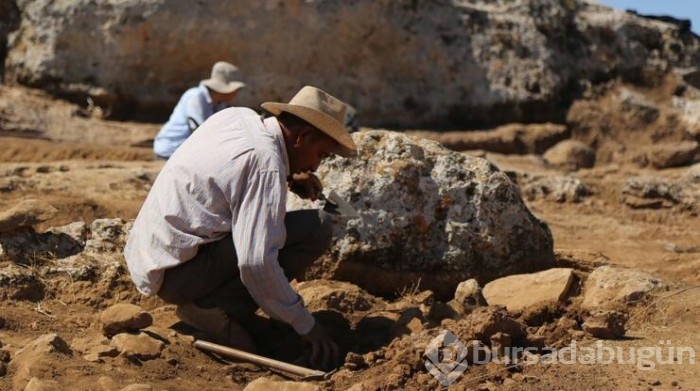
{"x": 427, "y": 215}
{"x": 470, "y": 63}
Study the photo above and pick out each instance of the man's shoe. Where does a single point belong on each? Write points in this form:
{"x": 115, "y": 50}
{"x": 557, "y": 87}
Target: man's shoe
{"x": 218, "y": 326}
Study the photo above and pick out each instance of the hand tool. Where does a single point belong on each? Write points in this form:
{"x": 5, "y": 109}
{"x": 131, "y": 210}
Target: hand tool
{"x": 305, "y": 373}
{"x": 334, "y": 204}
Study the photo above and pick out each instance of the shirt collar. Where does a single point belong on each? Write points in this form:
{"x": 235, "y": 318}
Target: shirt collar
{"x": 204, "y": 90}
{"x": 273, "y": 126}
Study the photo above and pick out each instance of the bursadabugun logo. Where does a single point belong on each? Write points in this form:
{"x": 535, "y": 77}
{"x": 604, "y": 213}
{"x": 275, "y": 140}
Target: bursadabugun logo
{"x": 446, "y": 358}
{"x": 643, "y": 357}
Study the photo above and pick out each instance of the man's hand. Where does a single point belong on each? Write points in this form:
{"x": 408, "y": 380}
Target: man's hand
{"x": 306, "y": 185}
{"x": 325, "y": 354}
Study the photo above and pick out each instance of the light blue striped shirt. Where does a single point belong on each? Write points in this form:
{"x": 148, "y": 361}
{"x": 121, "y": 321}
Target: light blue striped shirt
{"x": 194, "y": 104}
{"x": 229, "y": 176}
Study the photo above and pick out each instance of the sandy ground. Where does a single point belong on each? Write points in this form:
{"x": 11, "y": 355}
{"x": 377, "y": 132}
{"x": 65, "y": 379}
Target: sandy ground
{"x": 110, "y": 175}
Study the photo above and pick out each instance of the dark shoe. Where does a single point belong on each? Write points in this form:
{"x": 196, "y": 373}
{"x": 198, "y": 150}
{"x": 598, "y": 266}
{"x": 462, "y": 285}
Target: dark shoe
{"x": 218, "y": 326}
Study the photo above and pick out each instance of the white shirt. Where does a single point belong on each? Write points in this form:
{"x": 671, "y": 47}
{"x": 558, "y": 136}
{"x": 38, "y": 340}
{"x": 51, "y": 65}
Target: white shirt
{"x": 193, "y": 108}
{"x": 229, "y": 176}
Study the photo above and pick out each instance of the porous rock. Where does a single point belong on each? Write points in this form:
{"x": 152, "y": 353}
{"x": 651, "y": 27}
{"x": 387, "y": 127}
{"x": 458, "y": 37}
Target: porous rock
{"x": 428, "y": 215}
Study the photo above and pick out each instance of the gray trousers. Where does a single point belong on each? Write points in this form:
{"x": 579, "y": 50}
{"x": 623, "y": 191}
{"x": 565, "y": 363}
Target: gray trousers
{"x": 212, "y": 279}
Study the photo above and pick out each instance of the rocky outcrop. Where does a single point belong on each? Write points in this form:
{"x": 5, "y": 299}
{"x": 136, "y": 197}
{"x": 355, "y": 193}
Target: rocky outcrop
{"x": 9, "y": 21}
{"x": 428, "y": 215}
{"x": 462, "y": 63}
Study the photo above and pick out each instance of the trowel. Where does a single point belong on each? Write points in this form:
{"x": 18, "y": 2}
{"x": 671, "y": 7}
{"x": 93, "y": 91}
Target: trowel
{"x": 693, "y": 78}
{"x": 334, "y": 204}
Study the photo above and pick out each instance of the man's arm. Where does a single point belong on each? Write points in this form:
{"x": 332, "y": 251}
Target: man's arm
{"x": 196, "y": 111}
{"x": 258, "y": 235}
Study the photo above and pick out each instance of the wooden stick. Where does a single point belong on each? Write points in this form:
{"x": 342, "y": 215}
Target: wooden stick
{"x": 259, "y": 360}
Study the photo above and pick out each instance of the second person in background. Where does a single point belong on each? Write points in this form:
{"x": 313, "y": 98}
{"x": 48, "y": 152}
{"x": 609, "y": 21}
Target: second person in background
{"x": 195, "y": 106}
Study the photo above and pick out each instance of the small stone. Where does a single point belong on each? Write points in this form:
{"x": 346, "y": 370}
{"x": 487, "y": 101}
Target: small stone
{"x": 567, "y": 323}
{"x": 468, "y": 295}
{"x": 171, "y": 358}
{"x": 354, "y": 361}
{"x": 139, "y": 346}
{"x": 521, "y": 291}
{"x": 606, "y": 324}
{"x": 124, "y": 317}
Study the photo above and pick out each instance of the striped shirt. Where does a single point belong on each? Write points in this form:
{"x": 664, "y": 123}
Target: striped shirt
{"x": 229, "y": 176}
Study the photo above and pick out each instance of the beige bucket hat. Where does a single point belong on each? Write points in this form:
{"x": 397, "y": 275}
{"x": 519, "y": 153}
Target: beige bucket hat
{"x": 223, "y": 78}
{"x": 323, "y": 111}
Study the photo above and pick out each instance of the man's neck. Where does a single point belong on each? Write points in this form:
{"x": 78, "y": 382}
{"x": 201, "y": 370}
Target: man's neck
{"x": 216, "y": 98}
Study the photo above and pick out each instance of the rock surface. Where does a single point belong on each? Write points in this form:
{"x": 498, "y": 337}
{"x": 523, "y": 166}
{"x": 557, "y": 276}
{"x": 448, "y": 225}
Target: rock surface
{"x": 521, "y": 291}
{"x": 25, "y": 214}
{"x": 465, "y": 63}
{"x": 425, "y": 208}
{"x": 124, "y": 317}
{"x": 613, "y": 288}
{"x": 570, "y": 155}
{"x": 469, "y": 295}
{"x": 606, "y": 324}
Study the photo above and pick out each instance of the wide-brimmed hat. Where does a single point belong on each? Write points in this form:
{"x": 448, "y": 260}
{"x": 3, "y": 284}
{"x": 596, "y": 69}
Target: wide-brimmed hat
{"x": 323, "y": 111}
{"x": 223, "y": 78}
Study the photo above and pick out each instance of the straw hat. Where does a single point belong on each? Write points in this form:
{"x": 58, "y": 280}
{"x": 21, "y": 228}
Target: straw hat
{"x": 323, "y": 111}
{"x": 223, "y": 78}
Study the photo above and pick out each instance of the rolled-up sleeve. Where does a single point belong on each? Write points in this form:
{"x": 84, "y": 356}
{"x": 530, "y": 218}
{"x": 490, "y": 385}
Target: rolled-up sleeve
{"x": 258, "y": 234}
